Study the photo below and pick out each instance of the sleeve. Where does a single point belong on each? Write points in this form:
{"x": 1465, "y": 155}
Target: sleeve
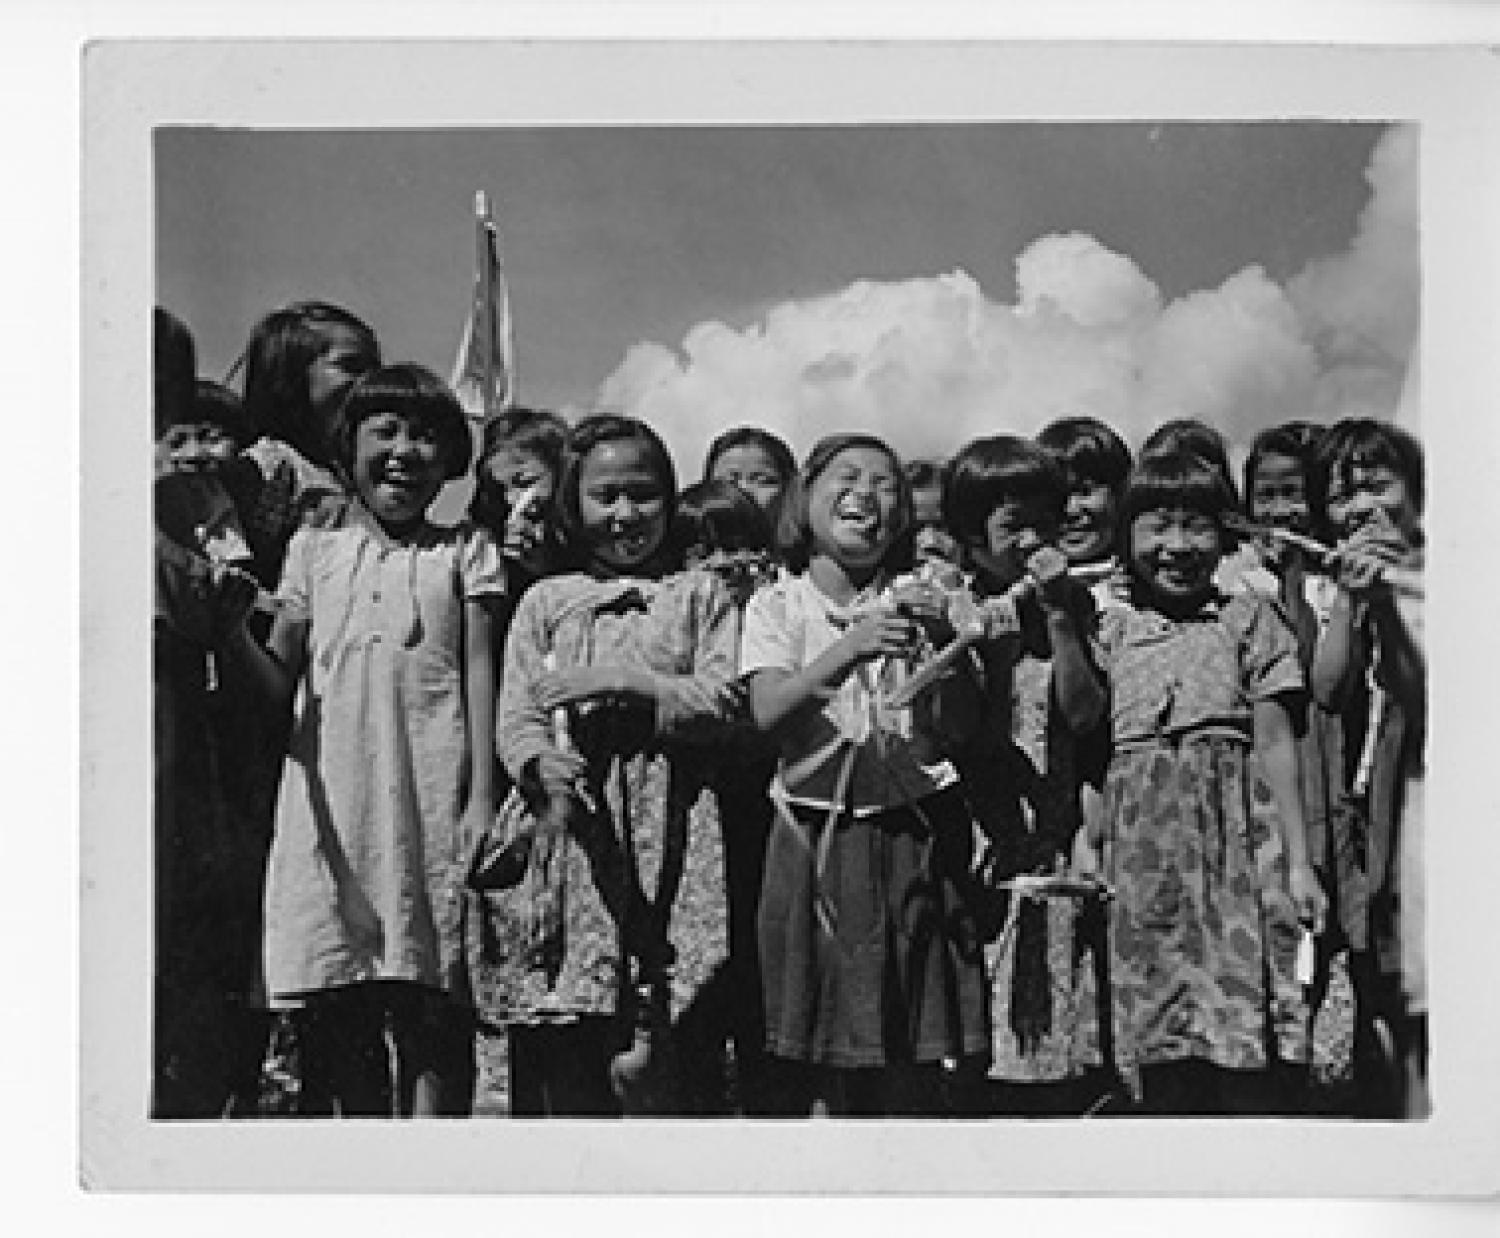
{"x": 707, "y": 694}
{"x": 768, "y": 642}
{"x": 294, "y": 590}
{"x": 522, "y": 731}
{"x": 481, "y": 569}
{"x": 1107, "y": 634}
{"x": 1269, "y": 663}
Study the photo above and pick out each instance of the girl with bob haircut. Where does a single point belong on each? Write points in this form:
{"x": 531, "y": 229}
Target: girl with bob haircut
{"x": 412, "y": 393}
{"x": 382, "y": 645}
{"x": 1201, "y": 831}
{"x": 1095, "y": 462}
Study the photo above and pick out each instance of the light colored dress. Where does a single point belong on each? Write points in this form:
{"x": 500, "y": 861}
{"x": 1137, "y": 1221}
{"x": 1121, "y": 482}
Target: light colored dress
{"x": 367, "y": 864}
{"x": 648, "y": 779}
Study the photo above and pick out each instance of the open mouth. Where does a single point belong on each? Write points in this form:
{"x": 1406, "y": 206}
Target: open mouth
{"x": 861, "y": 518}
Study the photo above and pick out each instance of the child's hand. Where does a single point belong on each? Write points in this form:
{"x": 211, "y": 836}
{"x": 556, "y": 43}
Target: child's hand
{"x": 234, "y": 594}
{"x": 1307, "y": 894}
{"x": 883, "y": 634}
{"x": 1048, "y": 566}
{"x": 926, "y": 605}
{"x": 1360, "y": 560}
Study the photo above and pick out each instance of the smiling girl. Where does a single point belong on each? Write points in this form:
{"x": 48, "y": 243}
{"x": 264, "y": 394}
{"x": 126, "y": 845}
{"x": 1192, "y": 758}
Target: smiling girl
{"x": 1203, "y": 928}
{"x": 616, "y": 674}
{"x": 383, "y": 639}
{"x": 1371, "y": 669}
{"x": 870, "y": 958}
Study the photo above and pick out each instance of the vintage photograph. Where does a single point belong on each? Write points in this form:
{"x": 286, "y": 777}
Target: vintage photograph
{"x": 772, "y": 621}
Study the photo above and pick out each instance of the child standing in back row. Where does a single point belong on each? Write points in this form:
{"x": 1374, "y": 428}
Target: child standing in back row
{"x": 869, "y": 952}
{"x": 383, "y": 639}
{"x": 1209, "y": 882}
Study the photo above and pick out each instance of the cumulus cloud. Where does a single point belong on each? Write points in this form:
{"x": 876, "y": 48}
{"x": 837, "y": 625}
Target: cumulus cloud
{"x": 929, "y": 363}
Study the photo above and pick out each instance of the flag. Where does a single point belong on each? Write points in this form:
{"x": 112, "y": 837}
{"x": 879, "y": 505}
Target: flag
{"x": 484, "y": 375}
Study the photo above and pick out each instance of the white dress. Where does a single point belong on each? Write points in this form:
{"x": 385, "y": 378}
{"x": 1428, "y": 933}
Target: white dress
{"x": 367, "y": 863}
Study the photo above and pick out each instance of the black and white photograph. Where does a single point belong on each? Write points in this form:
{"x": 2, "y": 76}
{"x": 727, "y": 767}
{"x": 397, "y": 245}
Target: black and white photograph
{"x": 855, "y": 612}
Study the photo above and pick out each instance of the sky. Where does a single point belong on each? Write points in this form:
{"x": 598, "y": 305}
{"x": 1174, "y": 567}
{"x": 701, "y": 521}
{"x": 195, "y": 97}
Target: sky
{"x": 931, "y": 282}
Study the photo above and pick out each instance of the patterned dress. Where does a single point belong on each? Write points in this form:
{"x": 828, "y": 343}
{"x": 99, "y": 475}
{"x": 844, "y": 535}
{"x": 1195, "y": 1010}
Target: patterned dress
{"x": 367, "y": 864}
{"x": 651, "y": 850}
{"x": 1021, "y": 776}
{"x": 1202, "y": 933}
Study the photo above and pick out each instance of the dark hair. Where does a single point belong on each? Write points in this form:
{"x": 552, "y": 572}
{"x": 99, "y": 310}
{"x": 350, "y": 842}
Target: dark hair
{"x": 1085, "y": 447}
{"x": 282, "y": 348}
{"x": 1295, "y": 440}
{"x": 990, "y": 471}
{"x": 1174, "y": 479}
{"x": 408, "y": 391}
{"x": 718, "y": 515}
{"x": 752, "y": 436}
{"x": 174, "y": 370}
{"x": 591, "y": 432}
{"x": 536, "y": 431}
{"x": 1368, "y": 443}
{"x": 924, "y": 474}
{"x": 1198, "y": 437}
{"x": 793, "y": 530}
{"x": 217, "y": 405}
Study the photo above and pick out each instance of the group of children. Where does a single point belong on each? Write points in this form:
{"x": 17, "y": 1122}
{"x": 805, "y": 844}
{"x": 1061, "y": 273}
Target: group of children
{"x": 1038, "y": 781}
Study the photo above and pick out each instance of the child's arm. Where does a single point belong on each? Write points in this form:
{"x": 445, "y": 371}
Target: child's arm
{"x": 1077, "y": 684}
{"x": 1276, "y": 747}
{"x": 776, "y": 694}
{"x": 523, "y": 728}
{"x": 479, "y": 703}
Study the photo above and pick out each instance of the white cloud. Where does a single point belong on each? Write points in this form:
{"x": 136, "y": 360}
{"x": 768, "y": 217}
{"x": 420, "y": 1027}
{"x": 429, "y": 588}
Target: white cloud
{"x": 930, "y": 363}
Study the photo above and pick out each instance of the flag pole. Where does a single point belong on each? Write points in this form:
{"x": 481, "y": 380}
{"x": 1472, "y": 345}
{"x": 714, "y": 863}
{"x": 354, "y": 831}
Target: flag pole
{"x": 483, "y": 327}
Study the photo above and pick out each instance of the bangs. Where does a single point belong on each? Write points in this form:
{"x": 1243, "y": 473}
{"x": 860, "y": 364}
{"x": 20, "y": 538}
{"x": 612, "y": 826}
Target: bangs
{"x": 415, "y": 393}
{"x": 992, "y": 471}
{"x": 1176, "y": 480}
{"x": 1087, "y": 448}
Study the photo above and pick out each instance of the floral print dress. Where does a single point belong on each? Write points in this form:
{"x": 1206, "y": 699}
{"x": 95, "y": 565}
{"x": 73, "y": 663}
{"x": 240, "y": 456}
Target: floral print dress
{"x": 653, "y": 830}
{"x": 1203, "y": 932}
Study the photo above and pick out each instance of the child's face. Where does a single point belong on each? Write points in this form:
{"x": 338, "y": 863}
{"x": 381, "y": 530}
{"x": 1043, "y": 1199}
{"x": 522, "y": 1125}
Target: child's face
{"x": 398, "y": 468}
{"x": 751, "y": 469}
{"x": 933, "y": 542}
{"x": 527, "y": 484}
{"x": 196, "y": 447}
{"x": 334, "y": 371}
{"x": 1088, "y": 528}
{"x": 853, "y": 507}
{"x": 1173, "y": 553}
{"x": 622, "y": 505}
{"x": 1361, "y": 493}
{"x": 1013, "y": 531}
{"x": 1278, "y": 493}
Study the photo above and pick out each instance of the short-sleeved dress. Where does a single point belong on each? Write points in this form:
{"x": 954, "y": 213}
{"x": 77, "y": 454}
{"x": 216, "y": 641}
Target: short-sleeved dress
{"x": 869, "y": 948}
{"x": 652, "y": 824}
{"x": 1203, "y": 932}
{"x": 367, "y": 863}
